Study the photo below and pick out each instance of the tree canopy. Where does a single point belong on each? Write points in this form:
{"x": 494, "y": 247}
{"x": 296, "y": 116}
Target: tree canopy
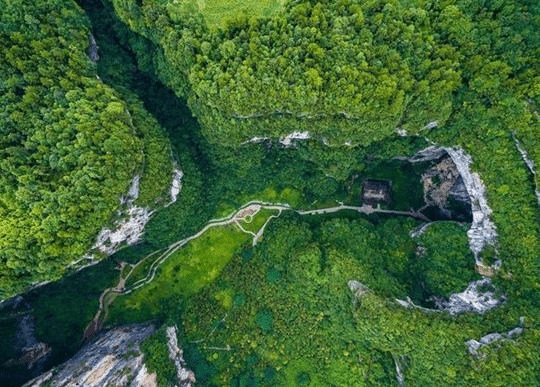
{"x": 68, "y": 144}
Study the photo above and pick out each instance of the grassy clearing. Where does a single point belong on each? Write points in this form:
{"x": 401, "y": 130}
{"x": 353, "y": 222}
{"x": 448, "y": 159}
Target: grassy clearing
{"x": 287, "y": 195}
{"x": 216, "y": 12}
{"x": 183, "y": 274}
{"x": 141, "y": 270}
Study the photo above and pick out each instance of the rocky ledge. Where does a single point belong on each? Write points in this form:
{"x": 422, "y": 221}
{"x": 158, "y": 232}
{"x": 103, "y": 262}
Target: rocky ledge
{"x": 114, "y": 358}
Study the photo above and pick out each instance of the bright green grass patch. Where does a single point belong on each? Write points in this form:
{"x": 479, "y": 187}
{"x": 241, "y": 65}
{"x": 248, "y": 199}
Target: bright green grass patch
{"x": 141, "y": 270}
{"x": 216, "y": 12}
{"x": 184, "y": 273}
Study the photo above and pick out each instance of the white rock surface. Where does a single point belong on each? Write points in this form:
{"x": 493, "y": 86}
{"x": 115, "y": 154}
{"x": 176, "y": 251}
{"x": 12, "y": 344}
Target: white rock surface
{"x": 428, "y": 154}
{"x": 529, "y": 163}
{"x": 399, "y": 371}
{"x": 112, "y": 359}
{"x": 288, "y": 139}
{"x": 482, "y": 231}
{"x": 130, "y": 229}
{"x": 176, "y": 185}
{"x": 255, "y": 140}
{"x": 474, "y": 345}
{"x": 420, "y": 230}
{"x": 472, "y": 299}
{"x": 432, "y": 125}
{"x": 186, "y": 378}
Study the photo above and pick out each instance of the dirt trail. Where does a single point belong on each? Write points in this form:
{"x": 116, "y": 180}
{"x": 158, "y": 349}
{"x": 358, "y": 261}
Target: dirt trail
{"x": 97, "y": 322}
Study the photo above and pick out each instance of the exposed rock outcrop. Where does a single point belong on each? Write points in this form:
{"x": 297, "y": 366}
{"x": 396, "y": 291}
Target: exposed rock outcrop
{"x": 428, "y": 154}
{"x": 420, "y": 230}
{"x": 130, "y": 229}
{"x": 467, "y": 186}
{"x": 472, "y": 299}
{"x": 93, "y": 49}
{"x": 256, "y": 140}
{"x": 529, "y": 163}
{"x": 443, "y": 181}
{"x": 474, "y": 345}
{"x": 288, "y": 139}
{"x": 186, "y": 378}
{"x": 33, "y": 352}
{"x": 176, "y": 185}
{"x": 112, "y": 359}
{"x": 29, "y": 351}
{"x": 482, "y": 231}
{"x": 357, "y": 288}
{"x": 457, "y": 180}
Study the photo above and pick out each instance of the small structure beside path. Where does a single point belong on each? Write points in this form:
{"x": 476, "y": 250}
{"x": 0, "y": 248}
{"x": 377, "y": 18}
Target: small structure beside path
{"x": 376, "y": 192}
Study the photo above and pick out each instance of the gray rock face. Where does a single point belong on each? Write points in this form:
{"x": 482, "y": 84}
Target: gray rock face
{"x": 529, "y": 163}
{"x": 428, "y": 154}
{"x": 482, "y": 231}
{"x": 93, "y": 49}
{"x": 472, "y": 299}
{"x": 186, "y": 378}
{"x": 474, "y": 345}
{"x": 176, "y": 186}
{"x": 443, "y": 181}
{"x": 459, "y": 191}
{"x": 33, "y": 351}
{"x": 112, "y": 359}
{"x": 29, "y": 351}
{"x": 129, "y": 230}
{"x": 466, "y": 187}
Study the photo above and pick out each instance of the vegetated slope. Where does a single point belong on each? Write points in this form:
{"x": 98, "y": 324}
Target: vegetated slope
{"x": 471, "y": 66}
{"x": 493, "y": 47}
{"x": 69, "y": 145}
{"x": 345, "y": 70}
{"x": 339, "y": 70}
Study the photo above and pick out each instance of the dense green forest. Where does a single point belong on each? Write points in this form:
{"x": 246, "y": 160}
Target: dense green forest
{"x": 343, "y": 70}
{"x": 193, "y": 81}
{"x": 70, "y": 144}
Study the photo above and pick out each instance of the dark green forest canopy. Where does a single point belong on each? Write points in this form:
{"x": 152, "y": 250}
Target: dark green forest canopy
{"x": 470, "y": 65}
{"x": 68, "y": 144}
{"x": 343, "y": 70}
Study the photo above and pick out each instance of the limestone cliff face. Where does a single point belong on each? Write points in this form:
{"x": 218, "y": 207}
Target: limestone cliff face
{"x": 112, "y": 359}
{"x": 458, "y": 181}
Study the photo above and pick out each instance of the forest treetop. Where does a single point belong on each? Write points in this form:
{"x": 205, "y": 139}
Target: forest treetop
{"x": 344, "y": 70}
{"x": 69, "y": 144}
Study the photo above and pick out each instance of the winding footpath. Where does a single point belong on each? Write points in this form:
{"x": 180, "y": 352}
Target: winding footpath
{"x": 245, "y": 212}
{"x": 250, "y": 209}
